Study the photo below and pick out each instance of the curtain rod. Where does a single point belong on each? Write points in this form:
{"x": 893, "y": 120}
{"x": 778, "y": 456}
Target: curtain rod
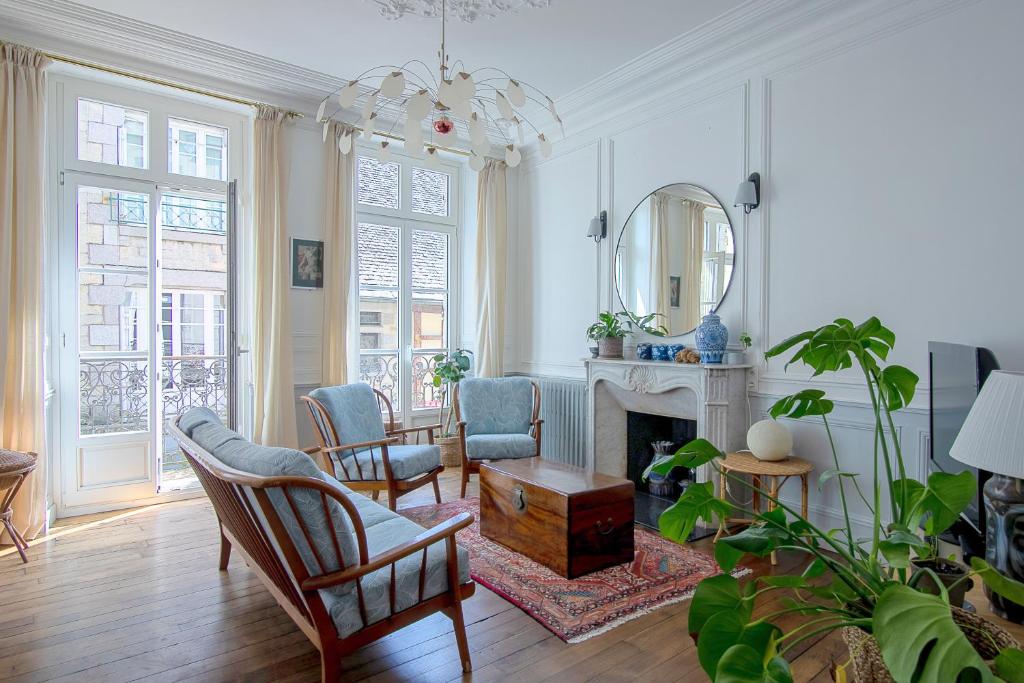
{"x": 215, "y": 95}
{"x": 160, "y": 81}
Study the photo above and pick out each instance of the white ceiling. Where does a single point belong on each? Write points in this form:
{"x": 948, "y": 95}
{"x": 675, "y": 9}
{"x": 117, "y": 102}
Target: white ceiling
{"x": 557, "y": 48}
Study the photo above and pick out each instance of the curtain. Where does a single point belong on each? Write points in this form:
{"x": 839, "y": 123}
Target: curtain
{"x": 22, "y": 104}
{"x": 491, "y": 247}
{"x": 693, "y": 254}
{"x": 272, "y": 343}
{"x": 660, "y": 246}
{"x": 341, "y": 299}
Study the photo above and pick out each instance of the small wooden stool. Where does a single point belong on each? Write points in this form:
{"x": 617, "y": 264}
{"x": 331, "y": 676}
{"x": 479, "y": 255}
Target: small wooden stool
{"x": 14, "y": 467}
{"x": 745, "y": 463}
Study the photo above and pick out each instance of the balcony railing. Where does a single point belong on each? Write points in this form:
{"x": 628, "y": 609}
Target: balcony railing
{"x": 114, "y": 392}
{"x": 381, "y": 370}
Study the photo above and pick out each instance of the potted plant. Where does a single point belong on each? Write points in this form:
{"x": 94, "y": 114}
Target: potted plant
{"x": 611, "y": 328}
{"x": 866, "y": 588}
{"x": 449, "y": 370}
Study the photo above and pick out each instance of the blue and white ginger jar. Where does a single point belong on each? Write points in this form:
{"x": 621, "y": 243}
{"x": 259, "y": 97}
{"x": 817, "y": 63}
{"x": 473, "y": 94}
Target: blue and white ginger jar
{"x": 712, "y": 337}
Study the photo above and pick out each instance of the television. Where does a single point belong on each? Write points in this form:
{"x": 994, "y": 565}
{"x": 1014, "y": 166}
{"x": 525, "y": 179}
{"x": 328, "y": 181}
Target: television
{"x": 956, "y": 373}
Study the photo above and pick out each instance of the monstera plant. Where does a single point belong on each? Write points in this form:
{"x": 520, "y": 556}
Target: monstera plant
{"x": 866, "y": 583}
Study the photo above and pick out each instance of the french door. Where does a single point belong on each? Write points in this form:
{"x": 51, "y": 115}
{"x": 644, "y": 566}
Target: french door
{"x": 146, "y": 311}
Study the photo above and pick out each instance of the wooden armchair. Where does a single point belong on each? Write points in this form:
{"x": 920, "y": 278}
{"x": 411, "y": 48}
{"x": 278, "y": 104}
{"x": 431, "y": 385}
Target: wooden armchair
{"x": 303, "y": 534}
{"x": 497, "y": 419}
{"x": 364, "y": 452}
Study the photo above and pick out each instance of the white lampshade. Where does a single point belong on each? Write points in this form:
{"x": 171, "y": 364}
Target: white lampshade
{"x": 746, "y": 194}
{"x": 992, "y": 437}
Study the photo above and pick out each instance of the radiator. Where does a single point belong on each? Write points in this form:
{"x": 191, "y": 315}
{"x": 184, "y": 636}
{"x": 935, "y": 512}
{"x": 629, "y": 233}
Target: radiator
{"x": 563, "y": 407}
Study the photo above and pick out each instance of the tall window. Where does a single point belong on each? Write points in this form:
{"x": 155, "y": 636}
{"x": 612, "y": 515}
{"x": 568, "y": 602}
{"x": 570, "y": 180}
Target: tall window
{"x": 406, "y": 226}
{"x": 719, "y": 253}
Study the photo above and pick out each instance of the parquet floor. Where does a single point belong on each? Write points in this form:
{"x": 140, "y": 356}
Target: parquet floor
{"x": 136, "y": 596}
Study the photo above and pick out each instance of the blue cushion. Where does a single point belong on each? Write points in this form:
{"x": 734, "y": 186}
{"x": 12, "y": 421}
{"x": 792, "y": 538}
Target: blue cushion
{"x": 376, "y": 586}
{"x": 266, "y": 461}
{"x": 502, "y": 405}
{"x": 500, "y": 446}
{"x": 407, "y": 461}
{"x": 354, "y": 412}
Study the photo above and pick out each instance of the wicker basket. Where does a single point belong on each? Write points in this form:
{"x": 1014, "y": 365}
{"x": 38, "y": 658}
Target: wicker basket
{"x": 866, "y": 659}
{"x": 451, "y": 450}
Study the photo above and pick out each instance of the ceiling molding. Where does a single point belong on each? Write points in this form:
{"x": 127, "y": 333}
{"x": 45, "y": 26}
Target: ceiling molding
{"x": 751, "y": 33}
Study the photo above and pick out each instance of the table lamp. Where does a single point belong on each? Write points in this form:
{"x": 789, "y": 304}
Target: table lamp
{"x": 992, "y": 439}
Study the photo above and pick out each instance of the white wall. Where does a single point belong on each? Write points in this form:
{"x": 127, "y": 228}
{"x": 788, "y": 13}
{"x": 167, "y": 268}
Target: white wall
{"x": 889, "y": 144}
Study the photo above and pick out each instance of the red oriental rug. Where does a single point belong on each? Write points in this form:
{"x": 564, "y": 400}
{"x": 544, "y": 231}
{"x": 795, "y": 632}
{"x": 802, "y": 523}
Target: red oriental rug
{"x": 661, "y": 573}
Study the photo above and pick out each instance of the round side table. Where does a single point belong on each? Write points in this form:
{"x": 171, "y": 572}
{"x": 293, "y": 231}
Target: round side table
{"x": 759, "y": 470}
{"x": 14, "y": 467}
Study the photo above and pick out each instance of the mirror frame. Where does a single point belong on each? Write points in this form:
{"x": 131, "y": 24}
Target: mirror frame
{"x": 622, "y": 231}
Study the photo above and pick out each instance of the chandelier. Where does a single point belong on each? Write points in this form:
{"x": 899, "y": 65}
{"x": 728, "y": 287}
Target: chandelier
{"x": 452, "y": 100}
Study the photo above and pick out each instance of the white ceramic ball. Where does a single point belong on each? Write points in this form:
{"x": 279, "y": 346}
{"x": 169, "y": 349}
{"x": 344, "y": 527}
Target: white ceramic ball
{"x": 769, "y": 440}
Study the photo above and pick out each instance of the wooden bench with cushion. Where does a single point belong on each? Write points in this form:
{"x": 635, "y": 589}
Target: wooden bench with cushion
{"x": 347, "y": 570}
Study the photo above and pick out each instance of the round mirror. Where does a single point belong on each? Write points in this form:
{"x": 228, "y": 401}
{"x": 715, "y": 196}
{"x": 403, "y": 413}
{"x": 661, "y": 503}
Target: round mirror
{"x": 675, "y": 257}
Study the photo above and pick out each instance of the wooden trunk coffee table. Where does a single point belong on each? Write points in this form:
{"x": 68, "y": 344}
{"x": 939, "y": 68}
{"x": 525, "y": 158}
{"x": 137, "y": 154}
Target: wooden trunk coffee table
{"x": 569, "y": 519}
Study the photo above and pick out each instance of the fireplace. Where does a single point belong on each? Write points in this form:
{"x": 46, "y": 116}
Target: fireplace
{"x": 632, "y": 403}
{"x": 644, "y": 432}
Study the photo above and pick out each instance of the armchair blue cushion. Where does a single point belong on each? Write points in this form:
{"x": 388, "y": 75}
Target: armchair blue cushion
{"x": 500, "y": 446}
{"x": 501, "y": 405}
{"x": 407, "y": 461}
{"x": 354, "y": 411}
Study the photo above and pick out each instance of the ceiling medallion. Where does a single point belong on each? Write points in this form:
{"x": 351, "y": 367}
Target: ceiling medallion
{"x": 463, "y": 10}
{"x": 452, "y": 98}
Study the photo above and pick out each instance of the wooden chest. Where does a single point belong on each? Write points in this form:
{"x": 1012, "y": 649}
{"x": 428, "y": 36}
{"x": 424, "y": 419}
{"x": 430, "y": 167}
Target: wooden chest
{"x": 566, "y": 518}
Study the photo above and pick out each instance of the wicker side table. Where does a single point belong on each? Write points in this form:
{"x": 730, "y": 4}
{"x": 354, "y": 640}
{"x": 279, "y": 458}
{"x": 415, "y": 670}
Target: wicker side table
{"x": 745, "y": 463}
{"x": 14, "y": 467}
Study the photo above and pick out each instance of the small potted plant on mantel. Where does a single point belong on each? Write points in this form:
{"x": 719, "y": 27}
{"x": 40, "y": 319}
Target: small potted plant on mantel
{"x": 882, "y": 593}
{"x": 611, "y": 328}
{"x": 449, "y": 370}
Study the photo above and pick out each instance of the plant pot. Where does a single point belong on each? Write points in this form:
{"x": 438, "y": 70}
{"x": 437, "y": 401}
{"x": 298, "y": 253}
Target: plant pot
{"x": 609, "y": 347}
{"x": 866, "y": 662}
{"x": 949, "y": 573}
{"x": 451, "y": 450}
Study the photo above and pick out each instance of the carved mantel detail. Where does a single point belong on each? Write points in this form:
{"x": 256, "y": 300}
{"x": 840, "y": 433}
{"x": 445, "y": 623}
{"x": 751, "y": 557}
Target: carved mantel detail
{"x": 640, "y": 378}
{"x": 714, "y": 396}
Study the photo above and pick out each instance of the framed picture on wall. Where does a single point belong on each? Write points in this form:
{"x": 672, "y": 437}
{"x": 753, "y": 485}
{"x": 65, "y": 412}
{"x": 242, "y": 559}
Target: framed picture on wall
{"x": 673, "y": 291}
{"x": 307, "y": 264}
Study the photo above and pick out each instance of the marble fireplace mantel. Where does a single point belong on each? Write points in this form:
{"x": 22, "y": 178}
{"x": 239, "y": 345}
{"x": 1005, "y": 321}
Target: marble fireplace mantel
{"x": 714, "y": 396}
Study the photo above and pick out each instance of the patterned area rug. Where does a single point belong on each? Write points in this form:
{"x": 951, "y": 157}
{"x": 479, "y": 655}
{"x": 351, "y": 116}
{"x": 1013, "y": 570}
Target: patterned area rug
{"x": 661, "y": 573}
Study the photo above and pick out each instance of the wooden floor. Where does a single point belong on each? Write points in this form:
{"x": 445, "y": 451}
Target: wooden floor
{"x": 136, "y": 596}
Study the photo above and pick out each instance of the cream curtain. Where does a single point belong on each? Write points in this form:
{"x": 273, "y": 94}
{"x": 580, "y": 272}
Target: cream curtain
{"x": 272, "y": 329}
{"x": 660, "y": 249}
{"x": 491, "y": 247}
{"x": 693, "y": 250}
{"x": 22, "y": 104}
{"x": 341, "y": 299}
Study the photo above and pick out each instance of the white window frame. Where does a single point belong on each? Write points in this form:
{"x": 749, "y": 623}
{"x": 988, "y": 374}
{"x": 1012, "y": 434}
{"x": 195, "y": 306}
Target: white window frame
{"x": 209, "y": 320}
{"x": 201, "y": 130}
{"x": 407, "y": 221}
{"x": 68, "y": 84}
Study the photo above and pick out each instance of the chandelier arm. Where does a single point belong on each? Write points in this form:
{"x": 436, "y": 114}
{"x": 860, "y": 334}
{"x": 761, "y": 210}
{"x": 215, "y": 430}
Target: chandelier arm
{"x": 497, "y": 127}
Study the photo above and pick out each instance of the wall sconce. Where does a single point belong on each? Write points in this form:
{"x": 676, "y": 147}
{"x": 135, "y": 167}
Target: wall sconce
{"x": 748, "y": 194}
{"x": 598, "y": 229}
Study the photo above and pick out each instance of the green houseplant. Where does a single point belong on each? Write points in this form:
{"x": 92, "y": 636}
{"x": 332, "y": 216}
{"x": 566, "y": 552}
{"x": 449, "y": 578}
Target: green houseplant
{"x": 449, "y": 370}
{"x": 611, "y": 328}
{"x": 867, "y": 586}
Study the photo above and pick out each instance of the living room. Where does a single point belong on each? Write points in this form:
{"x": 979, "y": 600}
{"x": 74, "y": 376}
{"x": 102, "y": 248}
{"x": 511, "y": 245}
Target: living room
{"x": 611, "y": 341}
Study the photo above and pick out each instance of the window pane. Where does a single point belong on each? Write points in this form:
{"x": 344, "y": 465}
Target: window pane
{"x": 379, "y": 369}
{"x": 113, "y": 396}
{"x": 113, "y": 229}
{"x": 111, "y": 134}
{"x": 429, "y": 192}
{"x": 378, "y": 255}
{"x": 429, "y": 313}
{"x": 378, "y": 183}
{"x": 429, "y": 260}
{"x": 196, "y": 149}
{"x": 113, "y": 313}
{"x": 378, "y": 319}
